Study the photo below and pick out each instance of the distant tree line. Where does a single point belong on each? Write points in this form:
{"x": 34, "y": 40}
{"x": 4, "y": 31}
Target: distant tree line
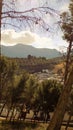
{"x": 33, "y": 64}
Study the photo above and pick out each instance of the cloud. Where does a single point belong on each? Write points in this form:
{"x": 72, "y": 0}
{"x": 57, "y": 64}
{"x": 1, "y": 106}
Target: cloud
{"x": 10, "y": 37}
{"x": 44, "y": 42}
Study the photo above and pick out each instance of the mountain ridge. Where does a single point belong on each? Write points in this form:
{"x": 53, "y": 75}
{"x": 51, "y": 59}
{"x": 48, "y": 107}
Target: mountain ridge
{"x": 22, "y": 51}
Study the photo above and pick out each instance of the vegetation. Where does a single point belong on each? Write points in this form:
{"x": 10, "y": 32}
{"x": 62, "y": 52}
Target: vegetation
{"x": 7, "y": 71}
{"x": 33, "y": 64}
{"x": 26, "y": 93}
{"x": 42, "y": 97}
{"x": 13, "y": 92}
{"x": 67, "y": 27}
{"x": 69, "y": 108}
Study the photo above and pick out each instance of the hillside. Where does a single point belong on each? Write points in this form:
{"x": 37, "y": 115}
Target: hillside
{"x": 23, "y": 51}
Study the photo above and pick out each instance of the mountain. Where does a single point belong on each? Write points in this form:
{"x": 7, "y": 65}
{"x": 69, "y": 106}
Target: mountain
{"x": 23, "y": 51}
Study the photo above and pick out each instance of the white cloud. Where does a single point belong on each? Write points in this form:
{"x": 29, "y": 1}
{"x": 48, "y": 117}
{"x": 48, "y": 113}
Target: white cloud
{"x": 44, "y": 43}
{"x": 10, "y": 37}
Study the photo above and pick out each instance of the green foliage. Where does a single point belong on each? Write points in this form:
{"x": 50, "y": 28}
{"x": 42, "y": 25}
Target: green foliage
{"x": 7, "y": 73}
{"x": 47, "y": 95}
{"x": 24, "y": 89}
{"x": 18, "y": 91}
{"x": 31, "y": 87}
{"x": 67, "y": 23}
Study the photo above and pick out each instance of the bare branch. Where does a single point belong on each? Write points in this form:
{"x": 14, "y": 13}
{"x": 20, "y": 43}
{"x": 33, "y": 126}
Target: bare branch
{"x": 43, "y": 9}
{"x": 33, "y": 15}
{"x": 4, "y": 24}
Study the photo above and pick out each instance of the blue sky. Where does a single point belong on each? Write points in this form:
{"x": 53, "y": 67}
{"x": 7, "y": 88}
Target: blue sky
{"x": 35, "y": 35}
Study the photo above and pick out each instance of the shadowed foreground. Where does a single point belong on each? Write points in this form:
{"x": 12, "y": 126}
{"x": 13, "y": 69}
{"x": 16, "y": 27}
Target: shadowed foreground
{"x": 4, "y": 125}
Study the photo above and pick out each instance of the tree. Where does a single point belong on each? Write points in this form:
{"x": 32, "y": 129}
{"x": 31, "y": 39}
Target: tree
{"x": 67, "y": 27}
{"x": 70, "y": 108}
{"x": 7, "y": 71}
{"x": 48, "y": 90}
{"x": 0, "y": 22}
{"x": 0, "y": 12}
{"x": 9, "y": 11}
{"x": 57, "y": 118}
{"x": 7, "y": 77}
{"x": 30, "y": 90}
{"x": 15, "y": 96}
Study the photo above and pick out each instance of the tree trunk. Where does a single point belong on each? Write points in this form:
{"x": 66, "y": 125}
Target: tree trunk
{"x": 15, "y": 115}
{"x": 2, "y": 108}
{"x": 57, "y": 118}
{"x": 0, "y": 12}
{"x": 8, "y": 112}
{"x": 67, "y": 63}
{"x": 0, "y": 22}
{"x": 68, "y": 122}
{"x": 21, "y": 108}
{"x": 0, "y": 38}
{"x": 12, "y": 114}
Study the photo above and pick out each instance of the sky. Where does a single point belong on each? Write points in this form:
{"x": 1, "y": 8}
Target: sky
{"x": 35, "y": 35}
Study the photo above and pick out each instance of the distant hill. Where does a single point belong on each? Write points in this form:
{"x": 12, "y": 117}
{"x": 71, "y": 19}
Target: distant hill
{"x": 23, "y": 51}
